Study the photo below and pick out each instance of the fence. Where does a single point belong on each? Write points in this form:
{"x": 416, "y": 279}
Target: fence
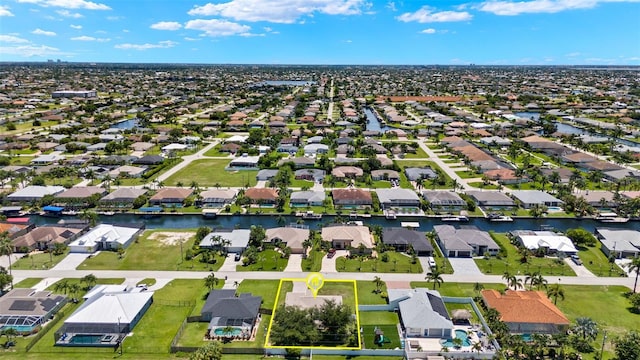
{"x": 56, "y": 319}
{"x": 176, "y": 303}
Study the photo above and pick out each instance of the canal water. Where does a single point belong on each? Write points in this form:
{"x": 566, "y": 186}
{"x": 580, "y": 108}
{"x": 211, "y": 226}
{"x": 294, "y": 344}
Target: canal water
{"x": 270, "y": 221}
{"x": 126, "y": 124}
{"x": 373, "y": 124}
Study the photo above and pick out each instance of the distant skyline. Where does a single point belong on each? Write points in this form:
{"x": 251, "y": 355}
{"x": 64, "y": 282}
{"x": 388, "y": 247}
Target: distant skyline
{"x": 493, "y": 32}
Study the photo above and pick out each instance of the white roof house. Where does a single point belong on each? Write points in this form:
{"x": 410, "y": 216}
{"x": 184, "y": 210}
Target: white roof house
{"x": 174, "y": 147}
{"x": 238, "y": 240}
{"x": 105, "y": 237}
{"x": 533, "y": 240}
{"x": 31, "y": 193}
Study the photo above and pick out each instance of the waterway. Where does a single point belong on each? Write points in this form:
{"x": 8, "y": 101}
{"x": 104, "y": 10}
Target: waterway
{"x": 570, "y": 129}
{"x": 528, "y": 115}
{"x": 126, "y": 124}
{"x": 373, "y": 124}
{"x": 270, "y": 221}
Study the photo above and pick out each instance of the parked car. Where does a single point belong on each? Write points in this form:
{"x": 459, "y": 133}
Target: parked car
{"x": 237, "y": 257}
{"x": 432, "y": 262}
{"x": 576, "y": 259}
{"x": 332, "y": 253}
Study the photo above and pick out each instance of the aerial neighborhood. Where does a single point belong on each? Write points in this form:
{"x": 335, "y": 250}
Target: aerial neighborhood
{"x": 453, "y": 212}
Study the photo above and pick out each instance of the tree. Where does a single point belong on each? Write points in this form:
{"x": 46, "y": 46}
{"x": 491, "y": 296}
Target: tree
{"x": 634, "y": 265}
{"x": 90, "y": 280}
{"x": 378, "y": 283}
{"x": 202, "y": 232}
{"x": 435, "y": 276}
{"x": 74, "y": 289}
{"x": 512, "y": 281}
{"x": 555, "y": 292}
{"x": 581, "y": 237}
{"x": 5, "y": 279}
{"x": 586, "y": 328}
{"x": 257, "y": 235}
{"x": 635, "y": 302}
{"x": 478, "y": 287}
{"x": 61, "y": 286}
{"x": 211, "y": 281}
{"x": 627, "y": 347}
{"x": 6, "y": 248}
{"x": 211, "y": 351}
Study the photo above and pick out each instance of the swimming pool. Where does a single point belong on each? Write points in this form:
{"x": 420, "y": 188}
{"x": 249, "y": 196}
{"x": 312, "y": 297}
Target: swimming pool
{"x": 85, "y": 339}
{"x": 460, "y": 334}
{"x": 222, "y": 332}
{"x": 554, "y": 208}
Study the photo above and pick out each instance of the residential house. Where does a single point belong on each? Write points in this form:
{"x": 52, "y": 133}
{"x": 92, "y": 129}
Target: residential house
{"x": 527, "y": 312}
{"x": 384, "y": 174}
{"x": 530, "y": 198}
{"x": 398, "y": 198}
{"x": 109, "y": 312}
{"x": 619, "y": 243}
{"x": 464, "y": 242}
{"x": 122, "y": 197}
{"x": 298, "y": 162}
{"x": 307, "y": 198}
{"x": 244, "y": 162}
{"x": 413, "y": 173}
{"x": 106, "y": 237}
{"x": 34, "y": 193}
{"x": 149, "y": 160}
{"x": 216, "y": 198}
{"x": 444, "y": 200}
{"x": 292, "y": 237}
{"x": 44, "y": 238}
{"x": 598, "y": 199}
{"x": 401, "y": 239}
{"x": 231, "y": 241}
{"x": 550, "y": 242}
{"x": 422, "y": 313}
{"x": 170, "y": 197}
{"x": 347, "y": 236}
{"x": 80, "y": 196}
{"x": 266, "y": 174}
{"x": 262, "y": 196}
{"x": 26, "y": 310}
{"x": 127, "y": 171}
{"x": 491, "y": 199}
{"x": 351, "y": 197}
{"x": 351, "y": 172}
{"x": 315, "y": 148}
{"x": 315, "y": 175}
{"x": 224, "y": 309}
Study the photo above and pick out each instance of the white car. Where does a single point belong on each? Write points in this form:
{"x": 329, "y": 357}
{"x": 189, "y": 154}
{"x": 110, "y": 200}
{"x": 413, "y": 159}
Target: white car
{"x": 432, "y": 262}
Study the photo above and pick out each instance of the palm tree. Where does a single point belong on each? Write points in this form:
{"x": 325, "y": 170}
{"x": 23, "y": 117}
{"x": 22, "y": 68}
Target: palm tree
{"x": 435, "y": 276}
{"x": 586, "y": 327}
{"x": 378, "y": 283}
{"x": 211, "y": 281}
{"x": 539, "y": 281}
{"x": 6, "y": 248}
{"x": 90, "y": 280}
{"x": 74, "y": 288}
{"x": 477, "y": 287}
{"x": 512, "y": 281}
{"x": 555, "y": 292}
{"x": 634, "y": 265}
{"x": 61, "y": 286}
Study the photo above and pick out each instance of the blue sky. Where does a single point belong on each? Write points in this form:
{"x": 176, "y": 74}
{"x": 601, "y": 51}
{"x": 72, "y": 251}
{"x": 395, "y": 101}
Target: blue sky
{"x": 599, "y": 32}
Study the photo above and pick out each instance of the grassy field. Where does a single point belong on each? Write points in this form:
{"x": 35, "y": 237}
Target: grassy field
{"x": 513, "y": 264}
{"x": 313, "y": 262}
{"x": 38, "y": 261}
{"x": 211, "y": 172}
{"x": 147, "y": 254}
{"x": 268, "y": 260}
{"x": 27, "y": 283}
{"x": 456, "y": 289}
{"x": 397, "y": 263}
{"x": 597, "y": 262}
{"x": 367, "y": 294}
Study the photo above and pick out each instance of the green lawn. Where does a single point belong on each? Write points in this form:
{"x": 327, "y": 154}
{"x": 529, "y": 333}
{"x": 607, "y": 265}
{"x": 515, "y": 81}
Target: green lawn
{"x": 313, "y": 262}
{"x": 147, "y": 254}
{"x": 512, "y": 262}
{"x": 211, "y": 172}
{"x": 397, "y": 263}
{"x": 468, "y": 174}
{"x": 597, "y": 262}
{"x": 265, "y": 288}
{"x": 481, "y": 185}
{"x": 422, "y": 163}
{"x": 28, "y": 282}
{"x": 456, "y": 289}
{"x": 344, "y": 289}
{"x": 38, "y": 261}
{"x": 268, "y": 260}
{"x": 385, "y": 320}
{"x": 367, "y": 294}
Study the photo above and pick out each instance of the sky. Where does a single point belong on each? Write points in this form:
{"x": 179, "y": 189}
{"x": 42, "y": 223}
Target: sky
{"x": 491, "y": 32}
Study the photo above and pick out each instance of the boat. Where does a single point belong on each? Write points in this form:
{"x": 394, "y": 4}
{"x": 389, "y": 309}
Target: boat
{"x": 499, "y": 218}
{"x": 456, "y": 218}
{"x": 107, "y": 213}
{"x": 390, "y": 215}
{"x": 209, "y": 213}
{"x": 617, "y": 219}
{"x": 69, "y": 213}
{"x": 309, "y": 215}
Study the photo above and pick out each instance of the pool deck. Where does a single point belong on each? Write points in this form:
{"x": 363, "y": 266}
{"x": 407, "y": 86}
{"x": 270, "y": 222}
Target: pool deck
{"x": 435, "y": 344}
{"x": 113, "y": 340}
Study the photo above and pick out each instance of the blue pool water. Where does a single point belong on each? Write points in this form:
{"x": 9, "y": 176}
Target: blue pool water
{"x": 460, "y": 334}
{"x": 221, "y": 332}
{"x": 85, "y": 339}
{"x": 527, "y": 337}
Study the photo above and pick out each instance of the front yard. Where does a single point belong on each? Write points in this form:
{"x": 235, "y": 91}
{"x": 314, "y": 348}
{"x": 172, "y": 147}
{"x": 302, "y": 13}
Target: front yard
{"x": 397, "y": 262}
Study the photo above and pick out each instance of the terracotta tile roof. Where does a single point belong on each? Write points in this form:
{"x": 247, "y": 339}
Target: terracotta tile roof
{"x": 261, "y": 193}
{"x": 524, "y": 307}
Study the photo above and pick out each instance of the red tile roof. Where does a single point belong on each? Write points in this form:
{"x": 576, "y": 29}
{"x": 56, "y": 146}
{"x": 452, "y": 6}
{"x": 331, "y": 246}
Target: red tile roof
{"x": 524, "y": 307}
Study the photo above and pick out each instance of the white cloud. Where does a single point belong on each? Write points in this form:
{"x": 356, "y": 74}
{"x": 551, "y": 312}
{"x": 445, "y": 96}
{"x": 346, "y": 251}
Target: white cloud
{"x": 160, "y": 45}
{"x": 510, "y": 8}
{"x": 391, "y": 6}
{"x": 215, "y": 27}
{"x": 427, "y": 15}
{"x": 428, "y": 31}
{"x": 279, "y": 11}
{"x": 4, "y": 11}
{"x": 68, "y": 4}
{"x": 573, "y": 54}
{"x": 77, "y": 27}
{"x": 114, "y": 18}
{"x": 191, "y": 39}
{"x": 69, "y": 14}
{"x": 125, "y": 30}
{"x": 12, "y": 39}
{"x": 29, "y": 50}
{"x": 166, "y": 25}
{"x": 89, "y": 38}
{"x": 43, "y": 32}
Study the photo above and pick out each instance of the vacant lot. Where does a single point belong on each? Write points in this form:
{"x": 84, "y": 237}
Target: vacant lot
{"x": 397, "y": 262}
{"x": 211, "y": 172}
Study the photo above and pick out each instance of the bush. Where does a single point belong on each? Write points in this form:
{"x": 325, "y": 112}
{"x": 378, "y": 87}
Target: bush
{"x": 385, "y": 257}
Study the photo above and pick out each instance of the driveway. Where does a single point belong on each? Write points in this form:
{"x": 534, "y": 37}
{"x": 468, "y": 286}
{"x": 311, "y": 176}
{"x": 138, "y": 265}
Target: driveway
{"x": 72, "y": 261}
{"x": 580, "y": 270}
{"x": 230, "y": 264}
{"x": 464, "y": 266}
{"x": 295, "y": 263}
{"x": 329, "y": 265}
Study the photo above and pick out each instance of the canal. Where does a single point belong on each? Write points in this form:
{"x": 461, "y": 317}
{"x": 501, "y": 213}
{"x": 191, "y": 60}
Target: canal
{"x": 270, "y": 221}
